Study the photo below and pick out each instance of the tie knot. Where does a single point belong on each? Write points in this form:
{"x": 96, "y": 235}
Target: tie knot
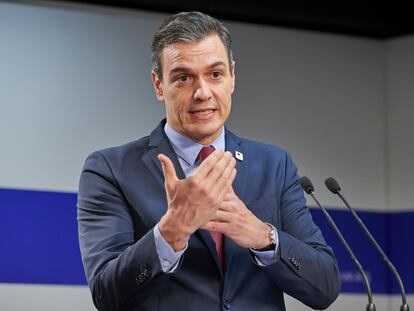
{"x": 205, "y": 152}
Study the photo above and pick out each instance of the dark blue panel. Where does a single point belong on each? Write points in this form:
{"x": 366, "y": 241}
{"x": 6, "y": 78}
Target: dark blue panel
{"x": 366, "y": 254}
{"x": 38, "y": 238}
{"x": 39, "y": 242}
{"x": 402, "y": 248}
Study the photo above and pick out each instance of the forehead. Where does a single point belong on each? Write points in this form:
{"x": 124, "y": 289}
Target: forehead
{"x": 194, "y": 55}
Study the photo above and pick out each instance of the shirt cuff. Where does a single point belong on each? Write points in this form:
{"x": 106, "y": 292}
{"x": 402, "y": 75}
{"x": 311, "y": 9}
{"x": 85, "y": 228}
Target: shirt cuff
{"x": 169, "y": 259}
{"x": 266, "y": 258}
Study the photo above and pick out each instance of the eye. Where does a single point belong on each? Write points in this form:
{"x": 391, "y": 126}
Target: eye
{"x": 216, "y": 74}
{"x": 182, "y": 78}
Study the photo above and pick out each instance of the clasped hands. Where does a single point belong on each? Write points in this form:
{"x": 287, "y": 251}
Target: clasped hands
{"x": 206, "y": 200}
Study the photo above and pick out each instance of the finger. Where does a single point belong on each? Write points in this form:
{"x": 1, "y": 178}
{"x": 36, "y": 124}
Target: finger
{"x": 229, "y": 184}
{"x": 206, "y": 226}
{"x": 231, "y": 179}
{"x": 233, "y": 206}
{"x": 222, "y": 216}
{"x": 227, "y": 196}
{"x": 217, "y": 172}
{"x": 168, "y": 170}
{"x": 218, "y": 179}
{"x": 230, "y": 194}
{"x": 220, "y": 187}
{"x": 216, "y": 226}
{"x": 231, "y": 190}
{"x": 209, "y": 164}
{"x": 227, "y": 206}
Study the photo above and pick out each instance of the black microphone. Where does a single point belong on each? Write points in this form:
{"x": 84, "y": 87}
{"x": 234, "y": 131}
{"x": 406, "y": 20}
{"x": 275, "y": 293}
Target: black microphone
{"x": 308, "y": 188}
{"x": 333, "y": 186}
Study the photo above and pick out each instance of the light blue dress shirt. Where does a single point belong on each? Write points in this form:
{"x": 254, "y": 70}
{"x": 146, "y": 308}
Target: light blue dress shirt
{"x": 187, "y": 152}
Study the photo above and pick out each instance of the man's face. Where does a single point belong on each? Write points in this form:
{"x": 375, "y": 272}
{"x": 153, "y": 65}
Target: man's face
{"x": 196, "y": 88}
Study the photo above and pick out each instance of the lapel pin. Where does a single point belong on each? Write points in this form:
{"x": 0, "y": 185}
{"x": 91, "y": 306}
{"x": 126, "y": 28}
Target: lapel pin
{"x": 239, "y": 155}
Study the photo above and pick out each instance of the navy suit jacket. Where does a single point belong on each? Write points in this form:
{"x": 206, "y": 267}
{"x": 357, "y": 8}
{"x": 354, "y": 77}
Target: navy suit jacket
{"x": 121, "y": 198}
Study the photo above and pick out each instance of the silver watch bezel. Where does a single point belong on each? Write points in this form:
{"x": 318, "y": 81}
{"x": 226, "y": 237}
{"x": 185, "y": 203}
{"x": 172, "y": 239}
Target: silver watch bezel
{"x": 272, "y": 234}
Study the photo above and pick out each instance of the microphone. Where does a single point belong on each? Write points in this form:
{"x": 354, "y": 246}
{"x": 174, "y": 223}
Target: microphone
{"x": 308, "y": 188}
{"x": 333, "y": 186}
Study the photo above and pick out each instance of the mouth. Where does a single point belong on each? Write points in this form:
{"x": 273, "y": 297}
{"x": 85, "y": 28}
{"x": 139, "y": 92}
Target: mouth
{"x": 203, "y": 112}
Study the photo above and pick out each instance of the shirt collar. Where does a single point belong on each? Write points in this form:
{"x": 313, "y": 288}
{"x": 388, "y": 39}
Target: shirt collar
{"x": 188, "y": 149}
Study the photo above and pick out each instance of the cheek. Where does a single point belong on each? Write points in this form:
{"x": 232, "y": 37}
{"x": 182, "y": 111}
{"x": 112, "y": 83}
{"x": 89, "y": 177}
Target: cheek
{"x": 179, "y": 111}
{"x": 177, "y": 105}
{"x": 224, "y": 98}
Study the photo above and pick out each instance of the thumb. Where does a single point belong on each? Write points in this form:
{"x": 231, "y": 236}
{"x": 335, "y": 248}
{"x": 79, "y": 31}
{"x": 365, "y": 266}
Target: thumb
{"x": 168, "y": 170}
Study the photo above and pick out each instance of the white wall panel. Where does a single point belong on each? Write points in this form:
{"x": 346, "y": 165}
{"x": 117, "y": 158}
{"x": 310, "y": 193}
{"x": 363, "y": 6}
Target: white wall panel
{"x": 69, "y": 298}
{"x": 345, "y": 302}
{"x": 400, "y": 95}
{"x": 395, "y": 302}
{"x": 19, "y": 297}
{"x": 77, "y": 81}
{"x": 319, "y": 96}
{"x": 70, "y": 82}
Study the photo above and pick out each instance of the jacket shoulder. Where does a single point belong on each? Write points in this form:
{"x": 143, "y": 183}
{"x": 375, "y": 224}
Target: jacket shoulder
{"x": 120, "y": 153}
{"x": 261, "y": 149}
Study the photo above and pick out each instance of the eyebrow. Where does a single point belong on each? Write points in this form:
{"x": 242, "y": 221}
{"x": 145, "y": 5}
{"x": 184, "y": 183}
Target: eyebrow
{"x": 217, "y": 64}
{"x": 186, "y": 69}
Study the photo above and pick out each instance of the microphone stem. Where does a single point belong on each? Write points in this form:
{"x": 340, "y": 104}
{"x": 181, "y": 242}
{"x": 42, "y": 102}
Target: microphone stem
{"x": 371, "y": 305}
{"x": 379, "y": 249}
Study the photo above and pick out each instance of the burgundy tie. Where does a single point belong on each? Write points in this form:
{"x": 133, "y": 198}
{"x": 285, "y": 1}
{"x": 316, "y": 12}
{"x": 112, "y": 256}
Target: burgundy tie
{"x": 217, "y": 236}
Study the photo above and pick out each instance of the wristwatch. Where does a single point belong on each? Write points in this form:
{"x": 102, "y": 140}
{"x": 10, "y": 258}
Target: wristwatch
{"x": 272, "y": 237}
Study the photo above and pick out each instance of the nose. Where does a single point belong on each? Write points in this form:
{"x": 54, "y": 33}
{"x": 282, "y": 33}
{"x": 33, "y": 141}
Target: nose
{"x": 203, "y": 91}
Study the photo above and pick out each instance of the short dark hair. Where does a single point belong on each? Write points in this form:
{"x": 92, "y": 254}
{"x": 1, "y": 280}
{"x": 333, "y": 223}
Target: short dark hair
{"x": 189, "y": 27}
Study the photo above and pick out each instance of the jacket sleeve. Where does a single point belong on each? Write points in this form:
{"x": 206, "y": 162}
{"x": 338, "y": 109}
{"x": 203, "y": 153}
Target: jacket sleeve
{"x": 307, "y": 269}
{"x": 118, "y": 268}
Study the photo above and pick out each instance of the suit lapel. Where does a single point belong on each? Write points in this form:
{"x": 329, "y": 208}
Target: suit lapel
{"x": 159, "y": 143}
{"x": 233, "y": 144}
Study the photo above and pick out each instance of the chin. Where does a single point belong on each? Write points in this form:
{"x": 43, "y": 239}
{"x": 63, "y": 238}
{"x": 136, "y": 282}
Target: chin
{"x": 206, "y": 129}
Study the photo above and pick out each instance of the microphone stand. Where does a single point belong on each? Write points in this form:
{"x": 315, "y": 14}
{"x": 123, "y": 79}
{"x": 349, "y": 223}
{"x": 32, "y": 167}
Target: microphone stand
{"x": 308, "y": 188}
{"x": 404, "y": 306}
{"x": 370, "y": 305}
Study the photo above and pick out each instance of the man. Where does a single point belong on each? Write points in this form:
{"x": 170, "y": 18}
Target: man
{"x": 165, "y": 225}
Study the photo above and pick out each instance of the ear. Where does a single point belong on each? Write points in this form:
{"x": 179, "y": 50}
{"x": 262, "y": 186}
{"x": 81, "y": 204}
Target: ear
{"x": 233, "y": 76}
{"x": 157, "y": 83}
